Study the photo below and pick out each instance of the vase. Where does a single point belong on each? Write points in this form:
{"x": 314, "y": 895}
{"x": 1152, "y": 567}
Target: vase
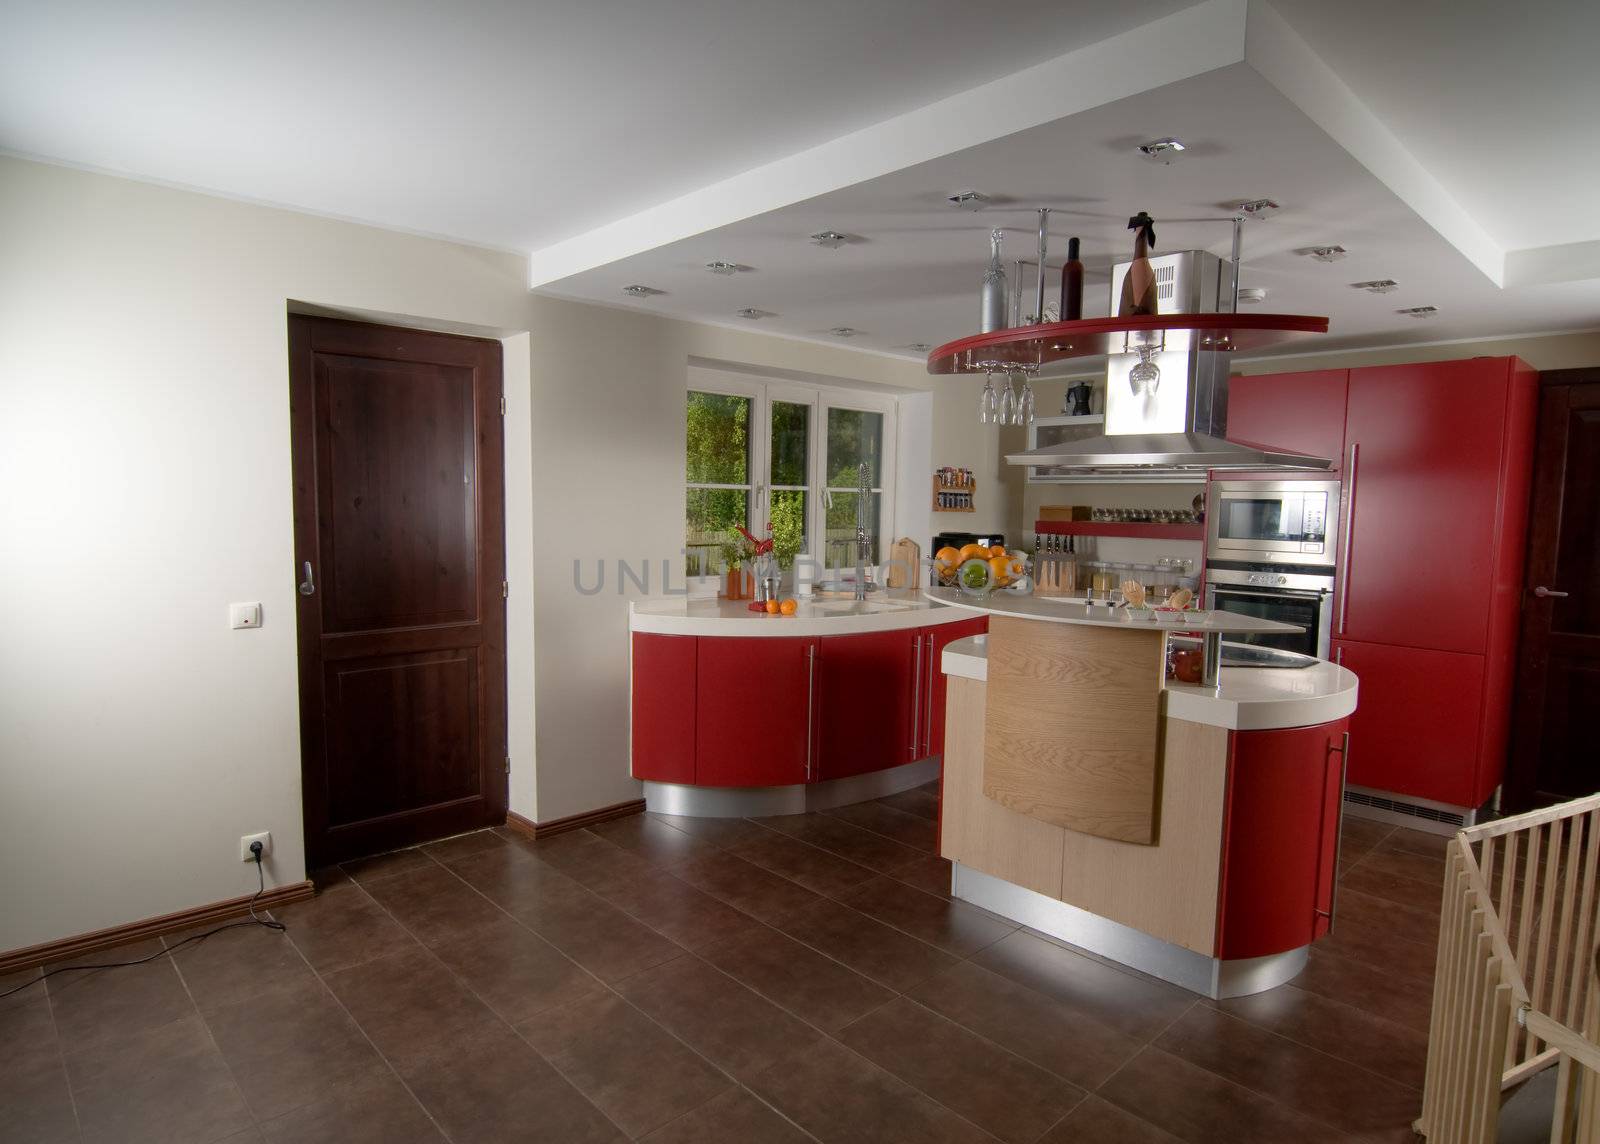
{"x": 741, "y": 585}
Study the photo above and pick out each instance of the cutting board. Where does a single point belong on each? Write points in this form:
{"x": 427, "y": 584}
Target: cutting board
{"x": 905, "y": 563}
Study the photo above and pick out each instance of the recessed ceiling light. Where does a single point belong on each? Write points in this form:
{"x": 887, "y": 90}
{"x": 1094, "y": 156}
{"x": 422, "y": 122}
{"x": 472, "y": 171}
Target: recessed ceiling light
{"x": 752, "y": 313}
{"x": 721, "y": 267}
{"x": 1419, "y": 311}
{"x": 969, "y": 200}
{"x": 1259, "y": 208}
{"x": 1250, "y": 295}
{"x": 1161, "y": 150}
{"x": 1377, "y": 286}
{"x": 844, "y": 331}
{"x": 832, "y": 239}
{"x": 1327, "y": 253}
{"x": 637, "y": 291}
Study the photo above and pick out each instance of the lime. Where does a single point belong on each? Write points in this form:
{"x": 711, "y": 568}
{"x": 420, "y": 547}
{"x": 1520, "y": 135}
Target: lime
{"x": 975, "y": 574}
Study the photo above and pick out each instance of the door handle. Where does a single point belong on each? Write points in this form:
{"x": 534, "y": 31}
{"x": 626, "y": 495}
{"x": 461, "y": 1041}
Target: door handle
{"x": 1338, "y": 839}
{"x": 811, "y": 691}
{"x": 927, "y": 700}
{"x": 916, "y": 700}
{"x": 1349, "y": 528}
{"x": 308, "y": 586}
{"x": 1547, "y": 594}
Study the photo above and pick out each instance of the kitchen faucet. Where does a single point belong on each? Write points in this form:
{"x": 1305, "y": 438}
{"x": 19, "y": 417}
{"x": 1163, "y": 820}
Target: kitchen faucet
{"x": 863, "y": 495}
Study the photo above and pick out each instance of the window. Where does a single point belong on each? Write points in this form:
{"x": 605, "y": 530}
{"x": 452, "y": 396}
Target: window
{"x": 785, "y": 454}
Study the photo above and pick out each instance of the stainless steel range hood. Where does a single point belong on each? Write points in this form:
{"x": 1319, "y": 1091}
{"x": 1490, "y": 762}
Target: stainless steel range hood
{"x": 1178, "y": 424}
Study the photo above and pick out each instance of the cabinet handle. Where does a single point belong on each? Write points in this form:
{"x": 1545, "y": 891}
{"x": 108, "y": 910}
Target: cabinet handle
{"x": 1349, "y": 530}
{"x": 927, "y": 722}
{"x": 1338, "y": 656}
{"x": 916, "y": 699}
{"x": 1338, "y": 839}
{"x": 308, "y": 586}
{"x": 1547, "y": 594}
{"x": 811, "y": 687}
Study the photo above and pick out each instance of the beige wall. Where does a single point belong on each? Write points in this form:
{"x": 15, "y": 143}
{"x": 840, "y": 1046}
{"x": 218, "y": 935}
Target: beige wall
{"x": 144, "y": 462}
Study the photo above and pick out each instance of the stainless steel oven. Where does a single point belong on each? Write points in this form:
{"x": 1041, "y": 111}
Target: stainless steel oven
{"x": 1291, "y": 594}
{"x": 1273, "y": 522}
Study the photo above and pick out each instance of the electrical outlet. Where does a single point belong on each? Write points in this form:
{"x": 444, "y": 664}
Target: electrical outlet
{"x": 264, "y": 838}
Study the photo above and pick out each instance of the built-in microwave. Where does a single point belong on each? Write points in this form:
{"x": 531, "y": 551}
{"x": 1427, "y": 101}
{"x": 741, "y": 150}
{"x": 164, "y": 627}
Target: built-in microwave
{"x": 1273, "y": 522}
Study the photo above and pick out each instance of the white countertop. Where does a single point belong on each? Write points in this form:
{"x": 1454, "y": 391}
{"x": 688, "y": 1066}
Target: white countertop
{"x": 1059, "y": 610}
{"x": 885, "y": 611}
{"x": 1246, "y": 699}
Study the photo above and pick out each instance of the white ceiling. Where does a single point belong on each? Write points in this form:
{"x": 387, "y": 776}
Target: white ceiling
{"x": 1450, "y": 144}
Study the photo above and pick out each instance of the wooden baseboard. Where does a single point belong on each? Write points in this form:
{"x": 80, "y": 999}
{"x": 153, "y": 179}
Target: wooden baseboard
{"x": 72, "y": 947}
{"x": 530, "y": 829}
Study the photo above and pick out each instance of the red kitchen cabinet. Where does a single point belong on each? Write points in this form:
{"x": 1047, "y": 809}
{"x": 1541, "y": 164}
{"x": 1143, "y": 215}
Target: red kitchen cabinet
{"x": 663, "y": 712}
{"x": 936, "y": 639}
{"x": 867, "y": 689}
{"x": 1427, "y": 453}
{"x": 1417, "y": 723}
{"x": 754, "y": 700}
{"x": 1302, "y": 412}
{"x": 1280, "y": 839}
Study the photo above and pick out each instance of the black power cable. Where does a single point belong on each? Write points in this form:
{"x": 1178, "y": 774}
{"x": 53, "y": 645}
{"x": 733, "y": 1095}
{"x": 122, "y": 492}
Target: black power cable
{"x": 265, "y": 923}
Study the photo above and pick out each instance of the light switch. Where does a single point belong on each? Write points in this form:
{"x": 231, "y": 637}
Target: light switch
{"x": 244, "y": 615}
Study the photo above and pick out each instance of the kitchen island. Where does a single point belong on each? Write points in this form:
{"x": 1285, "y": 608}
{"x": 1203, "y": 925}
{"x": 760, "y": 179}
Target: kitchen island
{"x": 740, "y": 713}
{"x": 1187, "y": 831}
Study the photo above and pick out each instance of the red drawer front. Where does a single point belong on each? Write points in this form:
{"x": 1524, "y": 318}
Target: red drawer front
{"x": 1279, "y": 839}
{"x": 663, "y": 707}
{"x": 753, "y": 699}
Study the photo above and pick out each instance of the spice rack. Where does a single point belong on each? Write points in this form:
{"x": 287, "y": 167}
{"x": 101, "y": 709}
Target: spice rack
{"x": 954, "y": 490}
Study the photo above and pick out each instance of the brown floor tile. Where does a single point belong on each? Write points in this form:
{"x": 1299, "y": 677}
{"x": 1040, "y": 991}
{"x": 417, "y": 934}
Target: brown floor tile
{"x": 1380, "y": 883}
{"x": 1405, "y": 1000}
{"x": 837, "y": 1096}
{"x": 1417, "y": 842}
{"x": 1029, "y": 1024}
{"x": 519, "y": 883}
{"x": 1379, "y": 944}
{"x": 434, "y": 904}
{"x": 807, "y": 984}
{"x": 907, "y": 829}
{"x": 653, "y": 840}
{"x": 517, "y": 973}
{"x": 1135, "y": 1005}
{"x": 373, "y": 1109}
{"x": 1363, "y": 833}
{"x": 1412, "y": 925}
{"x": 604, "y": 940}
{"x": 341, "y": 927}
{"x": 629, "y": 1067}
{"x": 747, "y": 887}
{"x": 1333, "y": 1091}
{"x": 891, "y": 958}
{"x": 838, "y": 837}
{"x": 290, "y": 1047}
{"x": 500, "y": 1090}
{"x": 10, "y": 981}
{"x": 735, "y": 1116}
{"x": 1096, "y": 1121}
{"x": 955, "y": 927}
{"x": 921, "y": 801}
{"x": 366, "y": 870}
{"x": 720, "y": 832}
{"x": 328, "y": 877}
{"x": 1341, "y": 1030}
{"x": 735, "y": 1028}
{"x": 463, "y": 844}
{"x": 166, "y": 1085}
{"x": 236, "y": 963}
{"x": 690, "y": 917}
{"x": 592, "y": 861}
{"x": 1203, "y": 1108}
{"x": 996, "y": 1090}
{"x": 411, "y": 1007}
{"x": 91, "y": 1005}
{"x": 930, "y": 875}
{"x": 1388, "y": 859}
{"x": 812, "y": 868}
{"x": 35, "y": 1103}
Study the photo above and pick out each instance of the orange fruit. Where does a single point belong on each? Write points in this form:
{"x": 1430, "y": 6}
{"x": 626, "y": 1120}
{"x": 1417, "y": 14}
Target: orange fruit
{"x": 947, "y": 557}
{"x": 772, "y": 607}
{"x": 997, "y": 550}
{"x": 788, "y": 607}
{"x": 1000, "y": 569}
{"x": 1018, "y": 566}
{"x": 972, "y": 552}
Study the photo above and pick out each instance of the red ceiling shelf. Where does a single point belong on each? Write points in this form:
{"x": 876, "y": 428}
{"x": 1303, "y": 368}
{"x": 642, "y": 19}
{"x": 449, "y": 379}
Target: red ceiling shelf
{"x": 1051, "y": 342}
{"x": 1144, "y": 530}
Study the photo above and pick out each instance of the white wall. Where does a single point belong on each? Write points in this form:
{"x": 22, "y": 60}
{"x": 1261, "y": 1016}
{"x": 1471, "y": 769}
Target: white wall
{"x": 144, "y": 463}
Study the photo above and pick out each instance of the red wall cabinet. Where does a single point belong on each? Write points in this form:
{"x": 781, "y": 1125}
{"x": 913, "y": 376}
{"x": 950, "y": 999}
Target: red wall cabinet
{"x": 1303, "y": 412}
{"x": 664, "y": 670}
{"x": 1280, "y": 839}
{"x": 754, "y": 698}
{"x": 867, "y": 690}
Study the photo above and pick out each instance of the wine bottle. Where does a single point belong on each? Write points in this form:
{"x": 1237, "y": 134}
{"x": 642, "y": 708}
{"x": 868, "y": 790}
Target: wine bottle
{"x": 994, "y": 289}
{"x": 1072, "y": 284}
{"x": 1139, "y": 284}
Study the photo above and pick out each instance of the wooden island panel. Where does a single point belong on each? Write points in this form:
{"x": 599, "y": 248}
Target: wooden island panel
{"x": 1072, "y": 725}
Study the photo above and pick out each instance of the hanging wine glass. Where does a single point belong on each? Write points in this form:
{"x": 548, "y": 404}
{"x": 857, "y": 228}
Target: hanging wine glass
{"x": 986, "y": 400}
{"x": 1007, "y": 402}
{"x": 1025, "y": 406}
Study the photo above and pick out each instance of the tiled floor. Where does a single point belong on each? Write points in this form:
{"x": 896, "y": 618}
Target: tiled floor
{"x": 718, "y": 980}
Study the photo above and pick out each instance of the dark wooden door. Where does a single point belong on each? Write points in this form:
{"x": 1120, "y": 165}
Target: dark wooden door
{"x": 1553, "y": 755}
{"x": 400, "y": 555}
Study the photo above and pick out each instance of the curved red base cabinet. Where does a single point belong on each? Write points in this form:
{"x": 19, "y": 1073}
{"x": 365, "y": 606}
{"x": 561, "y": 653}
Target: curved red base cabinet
{"x": 788, "y": 711}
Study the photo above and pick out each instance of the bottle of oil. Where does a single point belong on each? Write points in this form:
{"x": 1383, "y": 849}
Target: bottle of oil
{"x": 1072, "y": 284}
